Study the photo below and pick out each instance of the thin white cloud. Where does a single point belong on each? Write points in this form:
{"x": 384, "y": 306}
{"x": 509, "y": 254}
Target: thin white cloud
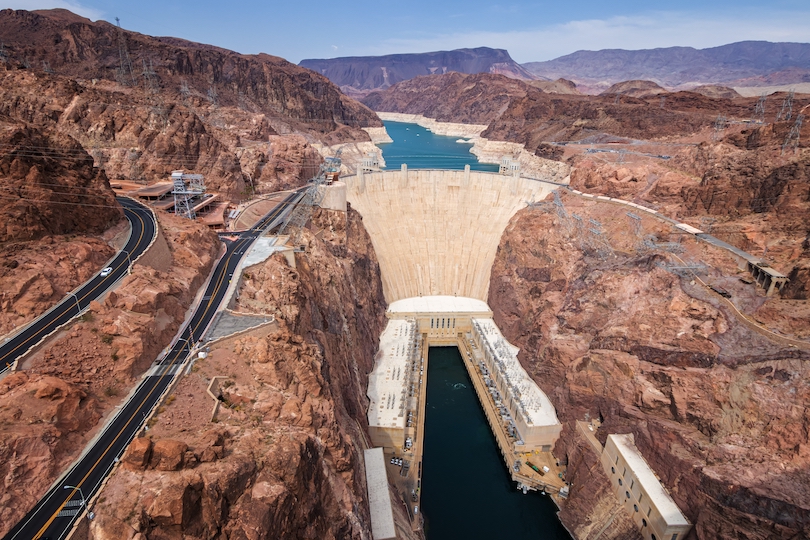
{"x": 664, "y": 29}
{"x": 30, "y": 5}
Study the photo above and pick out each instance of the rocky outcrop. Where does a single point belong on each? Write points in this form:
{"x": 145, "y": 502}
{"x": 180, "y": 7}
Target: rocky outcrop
{"x": 52, "y": 407}
{"x": 716, "y": 407}
{"x": 716, "y": 91}
{"x": 637, "y": 89}
{"x": 284, "y": 458}
{"x": 35, "y": 275}
{"x": 50, "y": 186}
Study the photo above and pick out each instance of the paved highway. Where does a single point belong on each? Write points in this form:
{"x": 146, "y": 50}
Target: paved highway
{"x": 56, "y": 512}
{"x": 143, "y": 231}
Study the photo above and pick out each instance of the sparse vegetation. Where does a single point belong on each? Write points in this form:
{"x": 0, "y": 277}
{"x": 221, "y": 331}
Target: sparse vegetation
{"x": 87, "y": 317}
{"x": 107, "y": 339}
{"x": 110, "y": 391}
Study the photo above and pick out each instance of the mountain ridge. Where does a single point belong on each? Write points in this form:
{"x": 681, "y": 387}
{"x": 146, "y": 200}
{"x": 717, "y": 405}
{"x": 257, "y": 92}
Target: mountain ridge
{"x": 748, "y": 63}
{"x": 360, "y": 75}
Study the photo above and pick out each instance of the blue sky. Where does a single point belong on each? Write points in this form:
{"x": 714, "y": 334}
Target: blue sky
{"x": 530, "y": 31}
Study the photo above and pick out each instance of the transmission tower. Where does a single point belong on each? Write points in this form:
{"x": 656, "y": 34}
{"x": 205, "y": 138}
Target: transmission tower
{"x": 562, "y": 214}
{"x": 706, "y": 224}
{"x": 185, "y": 91}
{"x": 597, "y": 241}
{"x": 638, "y": 230}
{"x": 792, "y": 139}
{"x": 787, "y": 108}
{"x": 301, "y": 213}
{"x": 759, "y": 109}
{"x": 719, "y": 127}
{"x": 152, "y": 89}
{"x": 125, "y": 64}
{"x": 185, "y": 193}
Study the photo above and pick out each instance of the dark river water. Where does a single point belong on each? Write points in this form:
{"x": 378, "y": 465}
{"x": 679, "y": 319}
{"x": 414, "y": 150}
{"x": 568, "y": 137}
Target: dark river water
{"x": 466, "y": 489}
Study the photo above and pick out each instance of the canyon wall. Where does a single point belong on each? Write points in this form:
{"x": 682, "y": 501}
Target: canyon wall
{"x": 436, "y": 232}
{"x": 717, "y": 407}
{"x": 246, "y": 122}
{"x": 283, "y": 459}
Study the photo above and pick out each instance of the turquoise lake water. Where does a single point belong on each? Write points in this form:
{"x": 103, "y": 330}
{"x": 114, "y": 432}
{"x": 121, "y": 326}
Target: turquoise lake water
{"x": 422, "y": 149}
{"x": 466, "y": 489}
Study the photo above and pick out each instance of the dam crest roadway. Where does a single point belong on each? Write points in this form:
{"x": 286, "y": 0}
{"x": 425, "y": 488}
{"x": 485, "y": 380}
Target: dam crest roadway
{"x": 436, "y": 234}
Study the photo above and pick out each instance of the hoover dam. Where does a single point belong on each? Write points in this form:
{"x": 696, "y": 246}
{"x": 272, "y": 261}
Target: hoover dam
{"x": 436, "y": 233}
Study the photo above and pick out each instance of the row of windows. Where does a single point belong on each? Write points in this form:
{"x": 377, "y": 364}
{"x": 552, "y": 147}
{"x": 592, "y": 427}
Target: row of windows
{"x": 449, "y": 321}
{"x": 640, "y": 498}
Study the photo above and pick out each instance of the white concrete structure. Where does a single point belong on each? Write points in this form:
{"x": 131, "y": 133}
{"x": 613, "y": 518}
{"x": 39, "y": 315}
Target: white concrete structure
{"x": 391, "y": 385}
{"x": 509, "y": 166}
{"x": 334, "y": 196}
{"x": 435, "y": 232}
{"x": 520, "y": 401}
{"x": 641, "y": 492}
{"x": 379, "y": 498}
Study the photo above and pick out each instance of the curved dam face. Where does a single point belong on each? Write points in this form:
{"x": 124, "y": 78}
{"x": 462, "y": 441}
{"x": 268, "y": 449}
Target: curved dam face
{"x": 436, "y": 232}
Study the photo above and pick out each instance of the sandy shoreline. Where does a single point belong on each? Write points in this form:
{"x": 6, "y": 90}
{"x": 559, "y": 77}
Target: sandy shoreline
{"x": 488, "y": 151}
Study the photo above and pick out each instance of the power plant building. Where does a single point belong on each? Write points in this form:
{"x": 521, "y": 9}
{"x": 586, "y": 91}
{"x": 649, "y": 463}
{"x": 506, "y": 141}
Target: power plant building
{"x": 521, "y": 402}
{"x": 640, "y": 491}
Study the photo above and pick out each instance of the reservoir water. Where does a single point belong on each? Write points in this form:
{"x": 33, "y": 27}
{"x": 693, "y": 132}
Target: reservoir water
{"x": 466, "y": 489}
{"x": 422, "y": 149}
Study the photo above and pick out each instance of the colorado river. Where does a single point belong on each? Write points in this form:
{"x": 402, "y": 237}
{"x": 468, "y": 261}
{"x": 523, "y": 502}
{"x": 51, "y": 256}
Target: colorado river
{"x": 466, "y": 490}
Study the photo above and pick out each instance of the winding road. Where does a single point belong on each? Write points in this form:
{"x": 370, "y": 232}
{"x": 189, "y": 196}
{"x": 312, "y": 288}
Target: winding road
{"x": 142, "y": 233}
{"x": 57, "y": 511}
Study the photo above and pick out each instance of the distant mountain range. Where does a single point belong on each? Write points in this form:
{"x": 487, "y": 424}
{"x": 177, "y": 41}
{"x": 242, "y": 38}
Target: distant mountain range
{"x": 746, "y": 64}
{"x": 359, "y": 75}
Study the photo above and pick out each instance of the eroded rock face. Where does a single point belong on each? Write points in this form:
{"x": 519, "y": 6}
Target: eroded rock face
{"x": 244, "y": 121}
{"x": 45, "y": 173}
{"x": 718, "y": 410}
{"x": 284, "y": 457}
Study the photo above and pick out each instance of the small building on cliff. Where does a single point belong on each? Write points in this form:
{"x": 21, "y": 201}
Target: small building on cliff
{"x": 640, "y": 491}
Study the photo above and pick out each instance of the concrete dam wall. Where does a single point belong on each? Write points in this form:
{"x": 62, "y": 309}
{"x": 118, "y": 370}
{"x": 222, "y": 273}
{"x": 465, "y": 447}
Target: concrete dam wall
{"x": 436, "y": 232}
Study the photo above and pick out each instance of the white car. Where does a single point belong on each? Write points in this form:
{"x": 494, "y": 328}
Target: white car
{"x": 106, "y": 272}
